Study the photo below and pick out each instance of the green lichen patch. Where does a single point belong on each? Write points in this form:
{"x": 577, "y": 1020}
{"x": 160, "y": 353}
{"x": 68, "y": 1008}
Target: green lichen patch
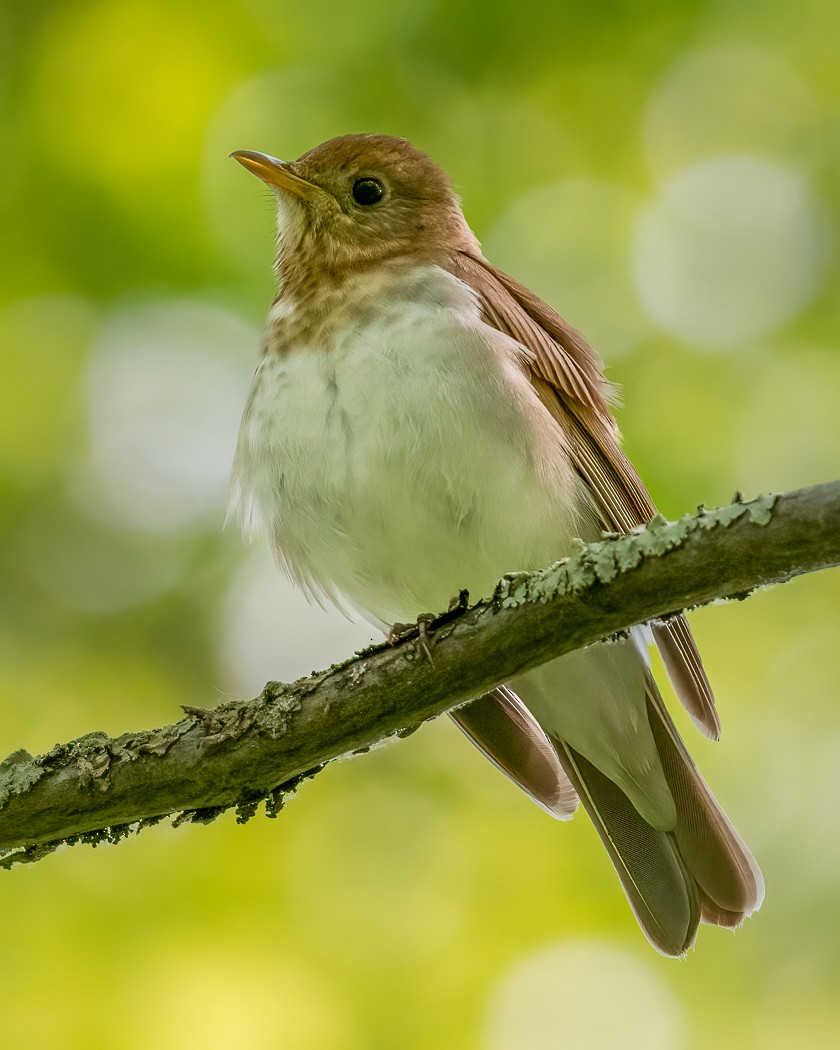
{"x": 18, "y": 773}
{"x": 601, "y": 562}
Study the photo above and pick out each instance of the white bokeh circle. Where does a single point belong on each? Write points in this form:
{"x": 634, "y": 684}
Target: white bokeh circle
{"x": 567, "y": 242}
{"x": 732, "y": 248}
{"x": 731, "y": 97}
{"x": 270, "y": 630}
{"x": 166, "y": 386}
{"x": 556, "y": 997}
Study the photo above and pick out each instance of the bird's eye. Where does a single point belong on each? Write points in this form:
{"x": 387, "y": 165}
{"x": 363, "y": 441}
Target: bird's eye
{"x": 367, "y": 191}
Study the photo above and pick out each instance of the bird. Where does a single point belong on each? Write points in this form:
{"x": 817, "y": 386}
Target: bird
{"x": 419, "y": 423}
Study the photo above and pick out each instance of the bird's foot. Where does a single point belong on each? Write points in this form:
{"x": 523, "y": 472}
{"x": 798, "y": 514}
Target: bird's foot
{"x": 420, "y": 630}
{"x": 425, "y": 621}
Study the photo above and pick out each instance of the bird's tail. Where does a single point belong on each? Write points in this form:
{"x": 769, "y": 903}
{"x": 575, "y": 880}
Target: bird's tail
{"x": 699, "y": 871}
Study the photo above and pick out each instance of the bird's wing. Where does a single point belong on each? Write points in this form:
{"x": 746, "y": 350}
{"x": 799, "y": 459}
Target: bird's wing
{"x": 526, "y": 755}
{"x": 568, "y": 378}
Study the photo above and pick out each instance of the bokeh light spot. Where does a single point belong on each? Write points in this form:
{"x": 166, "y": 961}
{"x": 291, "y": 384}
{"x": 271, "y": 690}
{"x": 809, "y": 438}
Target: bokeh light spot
{"x": 227, "y": 999}
{"x": 732, "y": 249}
{"x": 568, "y": 243}
{"x": 166, "y": 386}
{"x": 727, "y": 98}
{"x": 270, "y": 630}
{"x": 583, "y": 994}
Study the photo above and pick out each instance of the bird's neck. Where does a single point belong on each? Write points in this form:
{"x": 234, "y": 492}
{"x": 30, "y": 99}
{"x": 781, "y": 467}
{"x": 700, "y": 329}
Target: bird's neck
{"x": 313, "y": 311}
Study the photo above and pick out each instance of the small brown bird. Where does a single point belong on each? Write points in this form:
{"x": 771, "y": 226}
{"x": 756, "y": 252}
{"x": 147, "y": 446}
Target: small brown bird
{"x": 420, "y": 422}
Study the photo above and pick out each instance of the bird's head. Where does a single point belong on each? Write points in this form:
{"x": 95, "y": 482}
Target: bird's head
{"x": 358, "y": 200}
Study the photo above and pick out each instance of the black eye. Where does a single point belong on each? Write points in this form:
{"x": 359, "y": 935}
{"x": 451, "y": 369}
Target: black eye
{"x": 367, "y": 191}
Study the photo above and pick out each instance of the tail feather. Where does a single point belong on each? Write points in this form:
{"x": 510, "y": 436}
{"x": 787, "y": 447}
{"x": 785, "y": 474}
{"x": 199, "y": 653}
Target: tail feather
{"x": 694, "y": 869}
{"x": 661, "y": 892}
{"x": 714, "y": 915}
{"x": 717, "y": 857}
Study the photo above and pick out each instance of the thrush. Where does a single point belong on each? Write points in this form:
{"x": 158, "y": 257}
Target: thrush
{"x": 420, "y": 422}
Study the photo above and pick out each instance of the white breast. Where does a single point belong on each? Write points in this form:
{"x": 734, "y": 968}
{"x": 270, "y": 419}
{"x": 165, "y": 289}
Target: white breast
{"x": 407, "y": 457}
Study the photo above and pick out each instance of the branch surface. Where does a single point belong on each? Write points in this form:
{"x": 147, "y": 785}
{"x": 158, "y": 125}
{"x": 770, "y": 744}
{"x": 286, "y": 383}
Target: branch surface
{"x": 244, "y": 751}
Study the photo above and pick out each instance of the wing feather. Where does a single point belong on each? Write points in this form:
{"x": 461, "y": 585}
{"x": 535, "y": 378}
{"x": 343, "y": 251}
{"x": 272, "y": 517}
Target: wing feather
{"x": 506, "y": 732}
{"x": 568, "y": 377}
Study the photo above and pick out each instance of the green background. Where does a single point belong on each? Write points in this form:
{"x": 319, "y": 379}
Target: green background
{"x": 667, "y": 174}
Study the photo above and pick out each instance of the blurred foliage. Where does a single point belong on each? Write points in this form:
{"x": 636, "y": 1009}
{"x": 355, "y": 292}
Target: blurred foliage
{"x": 667, "y": 173}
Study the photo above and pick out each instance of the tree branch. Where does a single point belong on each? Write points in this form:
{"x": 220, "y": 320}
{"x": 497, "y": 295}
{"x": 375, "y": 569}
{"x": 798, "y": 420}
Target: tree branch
{"x": 245, "y": 751}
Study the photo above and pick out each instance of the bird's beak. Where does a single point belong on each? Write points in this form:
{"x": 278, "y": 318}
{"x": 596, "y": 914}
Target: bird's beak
{"x": 278, "y": 174}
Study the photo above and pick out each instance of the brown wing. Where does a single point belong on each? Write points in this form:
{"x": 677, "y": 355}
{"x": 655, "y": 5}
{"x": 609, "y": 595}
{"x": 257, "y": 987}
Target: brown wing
{"x": 506, "y": 732}
{"x": 567, "y": 375}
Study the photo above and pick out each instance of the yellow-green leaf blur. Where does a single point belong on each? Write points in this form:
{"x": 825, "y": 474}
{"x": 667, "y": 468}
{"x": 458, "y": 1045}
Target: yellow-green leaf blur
{"x": 666, "y": 174}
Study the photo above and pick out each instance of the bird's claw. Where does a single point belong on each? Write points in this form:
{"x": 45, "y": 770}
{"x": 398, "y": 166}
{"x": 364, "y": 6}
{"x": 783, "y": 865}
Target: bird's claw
{"x": 420, "y": 629}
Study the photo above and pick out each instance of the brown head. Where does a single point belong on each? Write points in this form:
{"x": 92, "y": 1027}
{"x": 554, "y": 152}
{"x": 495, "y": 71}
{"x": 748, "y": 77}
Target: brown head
{"x": 358, "y": 200}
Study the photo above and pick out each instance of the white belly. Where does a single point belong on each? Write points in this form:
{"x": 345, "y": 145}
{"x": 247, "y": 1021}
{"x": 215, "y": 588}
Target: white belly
{"x": 406, "y": 459}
